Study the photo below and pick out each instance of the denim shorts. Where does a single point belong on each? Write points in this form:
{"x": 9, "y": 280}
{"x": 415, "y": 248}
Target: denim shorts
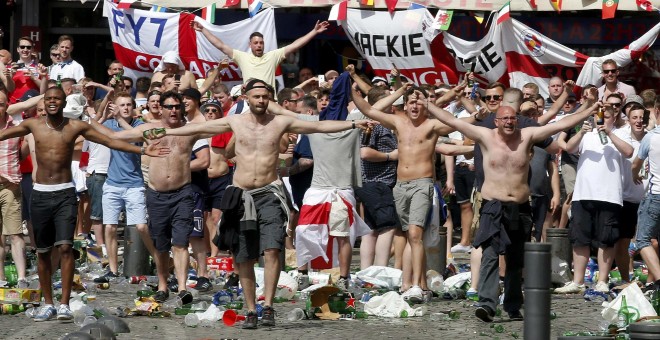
{"x": 95, "y": 184}
{"x": 116, "y": 198}
{"x": 648, "y": 218}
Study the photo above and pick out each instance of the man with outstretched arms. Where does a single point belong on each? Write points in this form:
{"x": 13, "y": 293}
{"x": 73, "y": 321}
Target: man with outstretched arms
{"x": 262, "y": 195}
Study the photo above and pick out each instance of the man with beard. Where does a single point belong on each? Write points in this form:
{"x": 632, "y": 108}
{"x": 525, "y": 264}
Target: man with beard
{"x": 262, "y": 230}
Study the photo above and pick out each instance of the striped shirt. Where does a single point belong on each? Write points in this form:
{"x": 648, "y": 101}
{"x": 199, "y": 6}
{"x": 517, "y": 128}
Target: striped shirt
{"x": 9, "y": 156}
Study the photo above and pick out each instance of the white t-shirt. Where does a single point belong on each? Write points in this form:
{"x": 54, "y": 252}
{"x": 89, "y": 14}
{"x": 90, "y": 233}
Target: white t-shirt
{"x": 99, "y": 157}
{"x": 631, "y": 192}
{"x": 599, "y": 176}
{"x": 68, "y": 69}
{"x": 649, "y": 149}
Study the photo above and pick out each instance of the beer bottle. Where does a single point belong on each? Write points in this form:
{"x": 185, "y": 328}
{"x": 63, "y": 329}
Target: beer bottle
{"x": 601, "y": 120}
{"x": 366, "y": 136}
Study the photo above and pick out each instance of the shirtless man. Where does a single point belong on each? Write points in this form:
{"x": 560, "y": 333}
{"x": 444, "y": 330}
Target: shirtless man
{"x": 258, "y": 136}
{"x": 413, "y": 193}
{"x": 170, "y": 201}
{"x": 54, "y": 204}
{"x": 505, "y": 192}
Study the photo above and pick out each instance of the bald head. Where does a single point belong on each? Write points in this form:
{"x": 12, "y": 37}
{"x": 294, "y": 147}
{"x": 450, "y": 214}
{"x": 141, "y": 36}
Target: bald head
{"x": 5, "y": 57}
{"x": 505, "y": 111}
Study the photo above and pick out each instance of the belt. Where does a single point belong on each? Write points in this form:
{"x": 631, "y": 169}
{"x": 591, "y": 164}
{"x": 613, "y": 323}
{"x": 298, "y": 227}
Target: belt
{"x": 99, "y": 174}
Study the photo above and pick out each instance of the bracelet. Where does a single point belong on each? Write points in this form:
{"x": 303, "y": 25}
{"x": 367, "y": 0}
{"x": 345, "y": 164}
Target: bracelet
{"x": 388, "y": 157}
{"x": 142, "y": 150}
{"x": 353, "y": 121}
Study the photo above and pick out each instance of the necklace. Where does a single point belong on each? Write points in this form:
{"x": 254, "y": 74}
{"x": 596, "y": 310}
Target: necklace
{"x": 54, "y": 128}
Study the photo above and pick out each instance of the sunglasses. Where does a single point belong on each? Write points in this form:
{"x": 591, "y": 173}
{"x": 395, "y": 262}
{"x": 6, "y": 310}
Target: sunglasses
{"x": 511, "y": 119}
{"x": 495, "y": 97}
{"x": 609, "y": 71}
{"x": 24, "y": 47}
{"x": 172, "y": 107}
{"x": 211, "y": 111}
{"x": 571, "y": 101}
{"x": 615, "y": 104}
{"x": 54, "y": 55}
{"x": 292, "y": 100}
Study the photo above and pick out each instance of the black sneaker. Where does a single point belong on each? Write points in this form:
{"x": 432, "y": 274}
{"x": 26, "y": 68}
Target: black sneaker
{"x": 485, "y": 314}
{"x": 173, "y": 285}
{"x": 250, "y": 320}
{"x": 203, "y": 284}
{"x": 161, "y": 296}
{"x": 106, "y": 277}
{"x": 186, "y": 297}
{"x": 516, "y": 316}
{"x": 268, "y": 316}
{"x": 232, "y": 281}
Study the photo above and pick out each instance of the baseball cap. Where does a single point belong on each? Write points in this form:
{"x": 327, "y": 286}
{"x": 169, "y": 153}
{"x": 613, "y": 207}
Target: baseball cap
{"x": 398, "y": 101}
{"x": 212, "y": 102}
{"x": 192, "y": 93}
{"x": 236, "y": 91}
{"x": 377, "y": 79}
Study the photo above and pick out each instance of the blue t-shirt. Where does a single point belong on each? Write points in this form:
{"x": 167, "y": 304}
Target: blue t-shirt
{"x": 300, "y": 182}
{"x": 124, "y": 170}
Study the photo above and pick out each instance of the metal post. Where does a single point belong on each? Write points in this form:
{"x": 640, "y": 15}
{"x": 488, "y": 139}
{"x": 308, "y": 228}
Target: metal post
{"x": 136, "y": 255}
{"x": 561, "y": 245}
{"x": 537, "y": 291}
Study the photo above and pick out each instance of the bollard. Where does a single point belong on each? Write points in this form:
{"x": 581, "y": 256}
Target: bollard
{"x": 561, "y": 244}
{"x": 136, "y": 255}
{"x": 537, "y": 291}
{"x": 443, "y": 249}
{"x": 644, "y": 330}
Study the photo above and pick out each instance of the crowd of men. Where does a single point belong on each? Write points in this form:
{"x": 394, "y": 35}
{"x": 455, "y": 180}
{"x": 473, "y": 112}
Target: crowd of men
{"x": 201, "y": 169}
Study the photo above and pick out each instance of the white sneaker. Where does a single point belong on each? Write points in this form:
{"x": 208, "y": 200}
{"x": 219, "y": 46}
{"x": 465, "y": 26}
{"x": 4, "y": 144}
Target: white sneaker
{"x": 414, "y": 294}
{"x": 570, "y": 288}
{"x": 602, "y": 287}
{"x": 459, "y": 248}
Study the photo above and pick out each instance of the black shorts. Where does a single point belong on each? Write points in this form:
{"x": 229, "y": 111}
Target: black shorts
{"x": 217, "y": 187}
{"x": 271, "y": 230}
{"x": 54, "y": 216}
{"x": 463, "y": 183}
{"x": 379, "y": 209}
{"x": 540, "y": 206}
{"x": 170, "y": 217}
{"x": 198, "y": 214}
{"x": 595, "y": 223}
{"x": 628, "y": 220}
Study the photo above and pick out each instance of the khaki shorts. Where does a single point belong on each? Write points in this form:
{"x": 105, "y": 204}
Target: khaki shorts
{"x": 568, "y": 173}
{"x": 476, "y": 207}
{"x": 413, "y": 200}
{"x": 10, "y": 207}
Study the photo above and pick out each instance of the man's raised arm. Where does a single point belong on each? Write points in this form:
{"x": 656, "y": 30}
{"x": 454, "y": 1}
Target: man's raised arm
{"x": 215, "y": 41}
{"x": 558, "y": 104}
{"x": 201, "y": 130}
{"x": 325, "y": 126}
{"x": 388, "y": 121}
{"x": 277, "y": 109}
{"x": 462, "y": 125}
{"x": 542, "y": 132}
{"x": 302, "y": 41}
{"x": 386, "y": 102}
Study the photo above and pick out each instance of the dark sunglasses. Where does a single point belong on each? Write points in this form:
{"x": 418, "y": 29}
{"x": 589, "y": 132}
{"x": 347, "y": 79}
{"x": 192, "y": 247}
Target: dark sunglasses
{"x": 24, "y": 47}
{"x": 172, "y": 107}
{"x": 55, "y": 55}
{"x": 571, "y": 101}
{"x": 211, "y": 111}
{"x": 495, "y": 97}
{"x": 615, "y": 104}
{"x": 610, "y": 71}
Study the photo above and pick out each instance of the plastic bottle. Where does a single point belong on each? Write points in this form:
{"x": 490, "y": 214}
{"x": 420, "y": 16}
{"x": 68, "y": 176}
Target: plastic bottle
{"x": 31, "y": 312}
{"x": 191, "y": 320}
{"x": 295, "y": 314}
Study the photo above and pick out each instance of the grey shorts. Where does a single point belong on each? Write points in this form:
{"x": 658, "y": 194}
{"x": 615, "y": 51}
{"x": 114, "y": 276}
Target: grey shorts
{"x": 413, "y": 200}
{"x": 271, "y": 219}
{"x": 568, "y": 173}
